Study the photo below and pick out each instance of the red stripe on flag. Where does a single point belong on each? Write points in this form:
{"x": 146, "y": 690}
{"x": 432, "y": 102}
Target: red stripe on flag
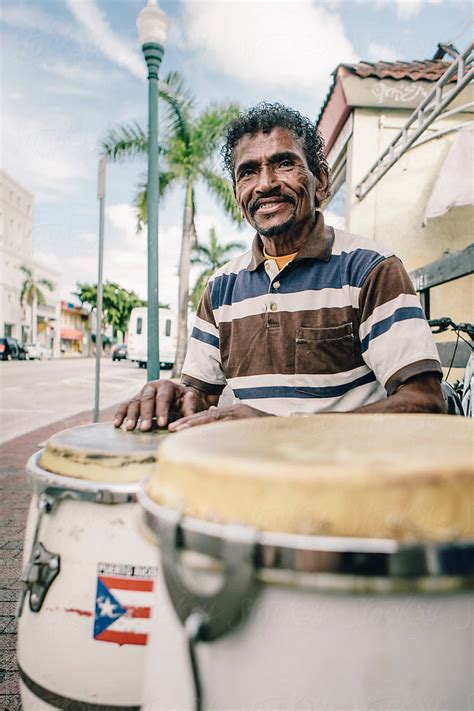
{"x": 141, "y": 612}
{"x": 127, "y": 583}
{"x": 122, "y": 637}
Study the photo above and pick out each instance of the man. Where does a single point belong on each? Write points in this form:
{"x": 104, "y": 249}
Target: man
{"x": 312, "y": 319}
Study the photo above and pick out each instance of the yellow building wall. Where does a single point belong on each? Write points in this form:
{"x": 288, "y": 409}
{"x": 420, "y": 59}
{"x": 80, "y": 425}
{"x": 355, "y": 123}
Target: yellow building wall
{"x": 392, "y": 212}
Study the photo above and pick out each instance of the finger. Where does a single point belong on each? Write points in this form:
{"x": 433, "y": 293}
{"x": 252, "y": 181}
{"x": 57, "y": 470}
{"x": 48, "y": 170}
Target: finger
{"x": 133, "y": 412}
{"x": 166, "y": 394}
{"x": 147, "y": 406}
{"x": 200, "y": 418}
{"x": 120, "y": 414}
{"x": 190, "y": 404}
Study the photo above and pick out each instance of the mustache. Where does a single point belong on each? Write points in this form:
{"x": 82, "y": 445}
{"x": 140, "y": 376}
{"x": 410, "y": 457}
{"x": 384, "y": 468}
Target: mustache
{"x": 273, "y": 194}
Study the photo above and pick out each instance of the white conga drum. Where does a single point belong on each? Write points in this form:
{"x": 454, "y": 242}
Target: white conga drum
{"x": 89, "y": 573}
{"x": 323, "y": 562}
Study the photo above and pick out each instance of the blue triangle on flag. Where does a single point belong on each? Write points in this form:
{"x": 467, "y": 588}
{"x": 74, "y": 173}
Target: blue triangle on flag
{"x": 107, "y": 608}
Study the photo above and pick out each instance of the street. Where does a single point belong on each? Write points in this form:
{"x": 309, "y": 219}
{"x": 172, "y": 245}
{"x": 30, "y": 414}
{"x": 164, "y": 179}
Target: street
{"x": 36, "y": 393}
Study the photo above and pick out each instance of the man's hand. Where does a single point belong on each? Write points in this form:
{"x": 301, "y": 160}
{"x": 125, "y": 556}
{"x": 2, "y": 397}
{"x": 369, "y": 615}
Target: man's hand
{"x": 164, "y": 400}
{"x": 215, "y": 414}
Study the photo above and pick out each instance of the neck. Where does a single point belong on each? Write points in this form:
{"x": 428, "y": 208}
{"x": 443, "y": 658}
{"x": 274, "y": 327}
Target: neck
{"x": 288, "y": 242}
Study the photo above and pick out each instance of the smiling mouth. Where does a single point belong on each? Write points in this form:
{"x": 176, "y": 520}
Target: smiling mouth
{"x": 268, "y": 208}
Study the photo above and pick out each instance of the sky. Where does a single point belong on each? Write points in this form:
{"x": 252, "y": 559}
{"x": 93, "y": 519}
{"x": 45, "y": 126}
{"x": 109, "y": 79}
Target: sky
{"x": 73, "y": 69}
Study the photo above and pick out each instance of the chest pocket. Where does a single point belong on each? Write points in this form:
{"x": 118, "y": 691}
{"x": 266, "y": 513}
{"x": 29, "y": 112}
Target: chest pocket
{"x": 325, "y": 350}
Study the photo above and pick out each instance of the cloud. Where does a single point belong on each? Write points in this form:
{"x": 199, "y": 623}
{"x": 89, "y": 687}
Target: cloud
{"x": 34, "y": 18}
{"x": 405, "y": 9}
{"x": 110, "y": 44}
{"x": 378, "y": 52}
{"x": 266, "y": 44}
{"x": 45, "y": 154}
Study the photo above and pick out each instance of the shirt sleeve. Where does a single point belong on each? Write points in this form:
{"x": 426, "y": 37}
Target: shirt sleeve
{"x": 202, "y": 368}
{"x": 396, "y": 340}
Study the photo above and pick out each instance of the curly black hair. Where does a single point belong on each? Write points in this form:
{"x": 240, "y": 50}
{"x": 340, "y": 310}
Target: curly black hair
{"x": 266, "y": 116}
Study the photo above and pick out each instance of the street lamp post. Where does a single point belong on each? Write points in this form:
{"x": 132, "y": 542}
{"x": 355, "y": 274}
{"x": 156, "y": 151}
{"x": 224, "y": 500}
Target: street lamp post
{"x": 152, "y": 25}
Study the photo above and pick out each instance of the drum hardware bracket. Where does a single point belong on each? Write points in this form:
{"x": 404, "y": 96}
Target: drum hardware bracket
{"x": 42, "y": 569}
{"x": 220, "y": 611}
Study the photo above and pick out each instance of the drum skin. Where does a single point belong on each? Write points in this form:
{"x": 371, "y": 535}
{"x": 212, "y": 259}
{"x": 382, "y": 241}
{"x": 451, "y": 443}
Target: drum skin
{"x": 301, "y": 648}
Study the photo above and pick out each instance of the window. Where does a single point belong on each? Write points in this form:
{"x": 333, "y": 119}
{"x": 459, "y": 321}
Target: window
{"x": 168, "y": 327}
{"x": 139, "y": 325}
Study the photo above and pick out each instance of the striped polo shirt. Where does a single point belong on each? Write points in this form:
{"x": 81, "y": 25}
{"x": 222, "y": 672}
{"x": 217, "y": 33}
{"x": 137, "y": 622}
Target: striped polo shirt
{"x": 337, "y": 328}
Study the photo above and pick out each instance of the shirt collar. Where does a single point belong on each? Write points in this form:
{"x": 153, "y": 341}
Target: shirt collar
{"x": 317, "y": 246}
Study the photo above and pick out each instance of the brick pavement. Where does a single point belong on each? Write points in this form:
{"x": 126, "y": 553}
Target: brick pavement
{"x": 14, "y": 503}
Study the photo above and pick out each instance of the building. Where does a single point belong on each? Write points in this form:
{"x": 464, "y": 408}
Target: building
{"x": 368, "y": 108}
{"x": 25, "y": 322}
{"x": 75, "y": 331}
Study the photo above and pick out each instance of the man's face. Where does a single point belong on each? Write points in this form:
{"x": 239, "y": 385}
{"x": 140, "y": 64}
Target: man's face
{"x": 274, "y": 187}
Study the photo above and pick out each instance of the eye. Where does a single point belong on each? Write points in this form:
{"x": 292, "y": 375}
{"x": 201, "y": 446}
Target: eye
{"x": 246, "y": 172}
{"x": 286, "y": 163}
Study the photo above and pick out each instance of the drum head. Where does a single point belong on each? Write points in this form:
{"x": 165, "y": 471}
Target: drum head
{"x": 409, "y": 477}
{"x": 101, "y": 452}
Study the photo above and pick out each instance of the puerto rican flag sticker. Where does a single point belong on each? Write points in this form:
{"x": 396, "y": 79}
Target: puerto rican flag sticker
{"x": 123, "y": 603}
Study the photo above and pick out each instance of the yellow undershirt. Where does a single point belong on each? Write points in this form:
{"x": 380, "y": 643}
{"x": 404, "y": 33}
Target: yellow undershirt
{"x": 281, "y": 260}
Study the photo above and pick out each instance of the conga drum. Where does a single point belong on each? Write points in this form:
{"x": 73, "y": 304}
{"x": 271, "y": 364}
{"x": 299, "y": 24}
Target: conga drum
{"x": 323, "y": 562}
{"x": 89, "y": 573}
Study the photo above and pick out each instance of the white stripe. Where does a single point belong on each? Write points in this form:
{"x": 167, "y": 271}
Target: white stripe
{"x": 130, "y": 624}
{"x": 234, "y": 266}
{"x": 360, "y": 396}
{"x": 298, "y": 380}
{"x": 206, "y": 326}
{"x": 308, "y": 300}
{"x": 345, "y": 242}
{"x": 203, "y": 363}
{"x": 386, "y": 310}
{"x": 405, "y": 343}
{"x": 133, "y": 598}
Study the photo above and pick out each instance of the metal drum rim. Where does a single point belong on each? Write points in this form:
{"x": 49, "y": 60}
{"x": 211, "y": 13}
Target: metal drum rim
{"x": 367, "y": 557}
{"x": 37, "y": 473}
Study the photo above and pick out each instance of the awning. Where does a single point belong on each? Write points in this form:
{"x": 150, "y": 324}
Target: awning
{"x": 71, "y": 334}
{"x": 454, "y": 186}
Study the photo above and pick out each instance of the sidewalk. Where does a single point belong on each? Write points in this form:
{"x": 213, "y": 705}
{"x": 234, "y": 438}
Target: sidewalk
{"x": 14, "y": 504}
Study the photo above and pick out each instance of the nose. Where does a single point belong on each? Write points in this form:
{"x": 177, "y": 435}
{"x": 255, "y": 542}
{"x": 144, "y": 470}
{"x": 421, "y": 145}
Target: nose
{"x": 266, "y": 179}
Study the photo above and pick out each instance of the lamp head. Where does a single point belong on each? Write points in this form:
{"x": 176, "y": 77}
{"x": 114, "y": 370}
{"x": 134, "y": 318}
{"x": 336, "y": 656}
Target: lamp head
{"x": 152, "y": 24}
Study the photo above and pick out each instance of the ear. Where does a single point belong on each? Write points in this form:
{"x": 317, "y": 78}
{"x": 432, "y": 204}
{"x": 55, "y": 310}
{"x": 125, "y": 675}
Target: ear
{"x": 322, "y": 186}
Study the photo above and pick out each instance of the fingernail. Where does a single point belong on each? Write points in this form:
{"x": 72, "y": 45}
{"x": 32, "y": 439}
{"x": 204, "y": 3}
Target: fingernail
{"x": 161, "y": 421}
{"x": 129, "y": 424}
{"x": 145, "y": 424}
{"x": 116, "y": 423}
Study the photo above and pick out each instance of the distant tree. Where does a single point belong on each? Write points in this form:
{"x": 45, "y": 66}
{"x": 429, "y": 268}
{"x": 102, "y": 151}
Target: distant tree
{"x": 190, "y": 141}
{"x": 32, "y": 295}
{"x": 211, "y": 256}
{"x": 117, "y": 303}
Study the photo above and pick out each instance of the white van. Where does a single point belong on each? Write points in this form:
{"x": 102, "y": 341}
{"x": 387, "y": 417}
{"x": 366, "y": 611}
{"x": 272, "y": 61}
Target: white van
{"x": 138, "y": 334}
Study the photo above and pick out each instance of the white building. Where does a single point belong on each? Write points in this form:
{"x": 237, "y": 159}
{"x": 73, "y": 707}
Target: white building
{"x": 16, "y": 250}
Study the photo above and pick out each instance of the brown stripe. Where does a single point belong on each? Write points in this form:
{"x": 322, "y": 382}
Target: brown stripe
{"x": 404, "y": 374}
{"x": 201, "y": 385}
{"x": 204, "y": 309}
{"x": 385, "y": 282}
{"x": 324, "y": 341}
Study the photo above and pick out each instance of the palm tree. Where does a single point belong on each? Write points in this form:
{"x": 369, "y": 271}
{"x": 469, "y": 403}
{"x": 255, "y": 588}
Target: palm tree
{"x": 189, "y": 145}
{"x": 32, "y": 295}
{"x": 211, "y": 256}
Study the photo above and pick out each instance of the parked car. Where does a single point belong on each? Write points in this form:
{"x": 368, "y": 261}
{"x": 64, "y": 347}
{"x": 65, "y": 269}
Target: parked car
{"x": 10, "y": 349}
{"x": 24, "y": 355}
{"x": 119, "y": 351}
{"x": 38, "y": 351}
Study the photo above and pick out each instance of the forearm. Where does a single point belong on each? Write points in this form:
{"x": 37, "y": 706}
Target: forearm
{"x": 420, "y": 394}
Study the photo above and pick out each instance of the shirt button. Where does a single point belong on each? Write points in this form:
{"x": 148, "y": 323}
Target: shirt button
{"x": 267, "y": 266}
{"x": 276, "y": 285}
{"x": 273, "y": 306}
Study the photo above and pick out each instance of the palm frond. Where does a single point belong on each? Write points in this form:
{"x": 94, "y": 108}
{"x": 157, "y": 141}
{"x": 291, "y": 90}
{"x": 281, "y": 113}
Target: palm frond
{"x": 222, "y": 189}
{"x": 211, "y": 126}
{"x": 124, "y": 142}
{"x": 179, "y": 103}
{"x": 166, "y": 178}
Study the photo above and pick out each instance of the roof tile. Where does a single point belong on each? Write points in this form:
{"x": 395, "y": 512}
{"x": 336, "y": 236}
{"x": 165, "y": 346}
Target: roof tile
{"x": 429, "y": 70}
